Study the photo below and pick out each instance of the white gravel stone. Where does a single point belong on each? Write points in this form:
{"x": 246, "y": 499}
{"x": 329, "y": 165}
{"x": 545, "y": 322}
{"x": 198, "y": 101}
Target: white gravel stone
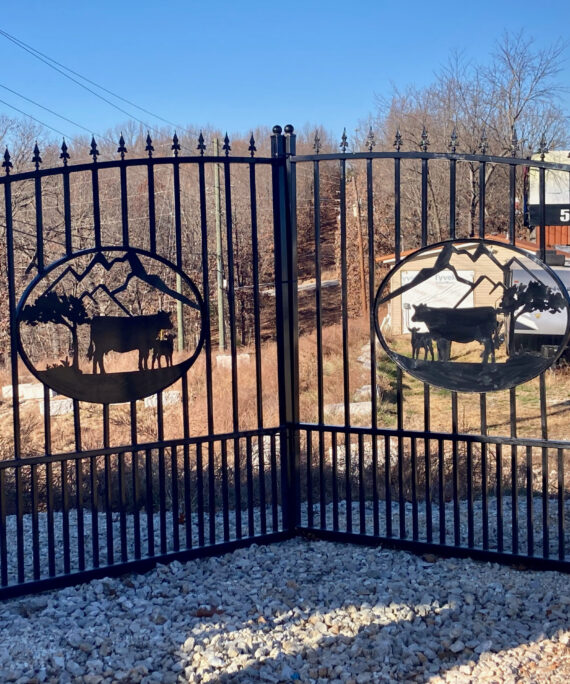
{"x": 296, "y": 611}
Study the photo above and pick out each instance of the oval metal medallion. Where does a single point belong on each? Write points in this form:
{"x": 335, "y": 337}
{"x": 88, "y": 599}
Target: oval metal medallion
{"x": 110, "y": 325}
{"x": 473, "y": 315}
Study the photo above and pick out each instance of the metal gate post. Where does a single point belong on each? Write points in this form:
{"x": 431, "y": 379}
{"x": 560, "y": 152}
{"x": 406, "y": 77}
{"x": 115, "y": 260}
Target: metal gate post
{"x": 287, "y": 323}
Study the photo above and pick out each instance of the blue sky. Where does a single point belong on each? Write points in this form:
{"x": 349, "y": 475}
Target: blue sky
{"x": 241, "y": 64}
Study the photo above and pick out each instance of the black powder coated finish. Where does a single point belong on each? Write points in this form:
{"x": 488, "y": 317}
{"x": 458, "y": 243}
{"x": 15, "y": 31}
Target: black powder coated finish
{"x": 95, "y": 510}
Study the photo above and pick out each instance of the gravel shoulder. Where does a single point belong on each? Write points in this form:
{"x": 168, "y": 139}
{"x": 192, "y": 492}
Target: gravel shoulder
{"x": 296, "y": 611}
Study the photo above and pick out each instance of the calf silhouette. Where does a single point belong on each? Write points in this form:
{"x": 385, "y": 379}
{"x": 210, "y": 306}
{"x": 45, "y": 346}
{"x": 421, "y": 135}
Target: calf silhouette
{"x": 124, "y": 334}
{"x": 420, "y": 341}
{"x": 163, "y": 346}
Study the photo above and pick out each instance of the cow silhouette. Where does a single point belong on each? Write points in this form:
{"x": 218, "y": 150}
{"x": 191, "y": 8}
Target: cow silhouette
{"x": 461, "y": 325}
{"x": 124, "y": 334}
{"x": 163, "y": 346}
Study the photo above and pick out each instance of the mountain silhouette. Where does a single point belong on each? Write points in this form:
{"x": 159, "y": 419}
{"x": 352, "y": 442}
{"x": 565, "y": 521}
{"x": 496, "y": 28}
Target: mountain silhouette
{"x": 137, "y": 270}
{"x": 443, "y": 262}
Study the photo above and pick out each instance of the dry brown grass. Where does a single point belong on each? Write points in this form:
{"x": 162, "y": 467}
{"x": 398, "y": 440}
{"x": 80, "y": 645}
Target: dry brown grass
{"x": 527, "y": 418}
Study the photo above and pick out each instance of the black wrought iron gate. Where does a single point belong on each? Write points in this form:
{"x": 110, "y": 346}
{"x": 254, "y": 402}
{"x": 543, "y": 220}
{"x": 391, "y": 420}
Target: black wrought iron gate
{"x": 109, "y": 463}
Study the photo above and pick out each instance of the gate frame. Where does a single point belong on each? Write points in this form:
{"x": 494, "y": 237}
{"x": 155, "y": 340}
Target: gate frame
{"x": 283, "y": 162}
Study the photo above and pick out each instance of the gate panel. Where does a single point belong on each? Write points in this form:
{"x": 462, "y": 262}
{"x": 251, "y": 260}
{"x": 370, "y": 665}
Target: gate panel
{"x": 385, "y": 458}
{"x": 196, "y": 468}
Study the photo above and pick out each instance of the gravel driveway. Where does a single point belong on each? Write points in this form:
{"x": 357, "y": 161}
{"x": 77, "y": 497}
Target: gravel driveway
{"x": 302, "y": 611}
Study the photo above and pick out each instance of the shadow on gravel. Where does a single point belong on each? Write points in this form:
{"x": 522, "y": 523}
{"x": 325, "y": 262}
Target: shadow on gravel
{"x": 380, "y": 616}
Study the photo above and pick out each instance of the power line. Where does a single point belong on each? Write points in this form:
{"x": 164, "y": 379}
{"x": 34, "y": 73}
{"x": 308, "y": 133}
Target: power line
{"x": 47, "y": 109}
{"x": 52, "y": 62}
{"x": 56, "y": 130}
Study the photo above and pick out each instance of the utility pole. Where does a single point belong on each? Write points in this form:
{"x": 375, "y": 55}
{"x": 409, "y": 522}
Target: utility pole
{"x": 219, "y": 261}
{"x": 358, "y": 216}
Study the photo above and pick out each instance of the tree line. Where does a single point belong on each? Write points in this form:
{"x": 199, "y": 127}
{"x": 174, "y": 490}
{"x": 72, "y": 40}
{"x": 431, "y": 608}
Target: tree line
{"x": 507, "y": 105}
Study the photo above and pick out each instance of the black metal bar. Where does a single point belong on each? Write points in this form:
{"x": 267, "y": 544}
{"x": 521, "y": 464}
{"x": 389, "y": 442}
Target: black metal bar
{"x": 250, "y": 496}
{"x": 10, "y": 268}
{"x": 512, "y": 200}
{"x": 208, "y": 357}
{"x": 424, "y": 206}
{"x": 50, "y": 519}
{"x": 186, "y": 455}
{"x": 47, "y": 419}
{"x": 162, "y": 500}
{"x": 361, "y": 490}
{"x": 441, "y": 490}
{"x": 318, "y": 294}
{"x": 545, "y": 501}
{"x": 334, "y": 451}
{"x": 122, "y": 508}
{"x": 274, "y": 502}
{"x": 65, "y": 518}
{"x": 237, "y": 485}
{"x": 233, "y": 342}
{"x": 499, "y": 488}
{"x": 452, "y": 196}
{"x": 257, "y": 343}
{"x": 529, "y": 503}
{"x": 414, "y": 485}
{"x": 482, "y": 198}
{"x": 149, "y": 502}
{"x": 397, "y": 190}
{"x": 309, "y": 450}
{"x": 514, "y": 468}
{"x": 35, "y": 524}
{"x": 455, "y": 471}
{"x": 175, "y": 499}
{"x": 80, "y": 514}
{"x": 291, "y": 502}
{"x": 39, "y": 224}
{"x": 109, "y": 509}
{"x": 322, "y": 482}
{"x": 285, "y": 249}
{"x": 177, "y": 210}
{"x": 3, "y": 540}
{"x": 261, "y": 479}
{"x": 345, "y": 356}
{"x": 400, "y": 423}
{"x": 256, "y": 298}
{"x": 225, "y": 492}
{"x": 135, "y": 479}
{"x": 96, "y": 205}
{"x": 212, "y": 494}
{"x": 387, "y": 485}
{"x": 94, "y": 511}
{"x": 200, "y": 495}
{"x": 372, "y": 341}
{"x": 124, "y": 203}
{"x": 67, "y": 211}
{"x": 427, "y": 464}
{"x": 187, "y": 497}
{"x": 545, "y": 495}
{"x": 470, "y": 516}
{"x": 484, "y": 476}
{"x": 151, "y": 207}
{"x": 561, "y": 540}
{"x": 231, "y": 298}
{"x": 542, "y": 203}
